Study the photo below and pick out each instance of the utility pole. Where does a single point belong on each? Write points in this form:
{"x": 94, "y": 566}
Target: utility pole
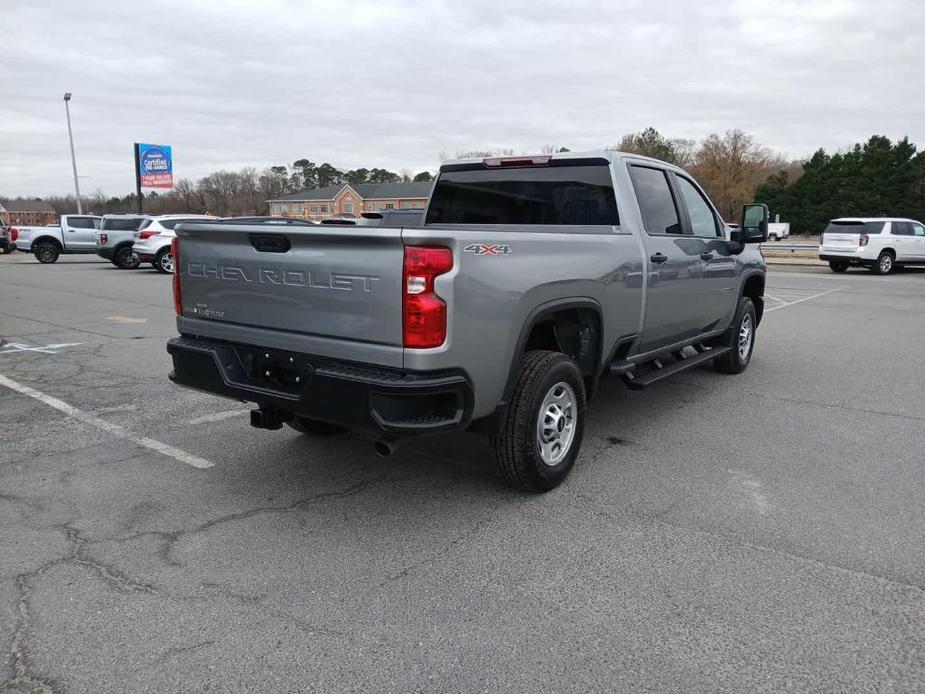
{"x": 70, "y": 136}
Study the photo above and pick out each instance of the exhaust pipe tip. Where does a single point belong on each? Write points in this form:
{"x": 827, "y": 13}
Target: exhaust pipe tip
{"x": 384, "y": 448}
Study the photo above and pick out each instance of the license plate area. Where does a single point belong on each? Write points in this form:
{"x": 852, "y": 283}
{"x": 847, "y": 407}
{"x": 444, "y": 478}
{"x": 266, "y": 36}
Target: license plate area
{"x": 276, "y": 370}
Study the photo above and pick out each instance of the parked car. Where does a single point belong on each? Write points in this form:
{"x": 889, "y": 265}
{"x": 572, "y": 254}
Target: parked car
{"x": 7, "y": 242}
{"x": 403, "y": 217}
{"x": 268, "y": 220}
{"x": 880, "y": 244}
{"x": 74, "y": 233}
{"x": 152, "y": 240}
{"x": 778, "y": 230}
{"x": 409, "y": 217}
{"x": 531, "y": 278}
{"x": 115, "y": 238}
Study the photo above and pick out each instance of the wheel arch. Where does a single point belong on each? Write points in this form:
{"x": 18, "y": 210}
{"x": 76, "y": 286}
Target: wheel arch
{"x": 753, "y": 288}
{"x": 563, "y": 326}
{"x": 44, "y": 239}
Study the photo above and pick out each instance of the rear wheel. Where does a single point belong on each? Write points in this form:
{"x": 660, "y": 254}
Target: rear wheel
{"x": 164, "y": 262}
{"x": 46, "y": 252}
{"x": 540, "y": 436}
{"x": 884, "y": 264}
{"x": 125, "y": 259}
{"x": 741, "y": 340}
{"x": 314, "y": 427}
{"x": 838, "y": 265}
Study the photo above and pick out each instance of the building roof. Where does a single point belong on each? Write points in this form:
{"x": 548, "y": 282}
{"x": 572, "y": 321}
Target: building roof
{"x": 367, "y": 191}
{"x": 27, "y": 206}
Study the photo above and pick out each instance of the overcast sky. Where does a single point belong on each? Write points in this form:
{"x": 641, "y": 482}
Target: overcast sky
{"x": 232, "y": 83}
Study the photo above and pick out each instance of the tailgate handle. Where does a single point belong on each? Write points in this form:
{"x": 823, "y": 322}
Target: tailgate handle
{"x": 270, "y": 243}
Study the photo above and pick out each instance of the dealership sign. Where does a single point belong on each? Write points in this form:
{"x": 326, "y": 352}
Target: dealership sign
{"x": 155, "y": 166}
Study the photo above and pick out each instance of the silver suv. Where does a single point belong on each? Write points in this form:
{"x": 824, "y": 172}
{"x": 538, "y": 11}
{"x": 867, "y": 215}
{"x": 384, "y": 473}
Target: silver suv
{"x": 114, "y": 239}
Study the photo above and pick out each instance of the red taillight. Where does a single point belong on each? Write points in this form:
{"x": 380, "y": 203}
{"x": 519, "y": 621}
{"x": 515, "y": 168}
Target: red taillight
{"x": 142, "y": 235}
{"x": 14, "y": 233}
{"x": 104, "y": 238}
{"x": 863, "y": 240}
{"x": 177, "y": 299}
{"x": 424, "y": 313}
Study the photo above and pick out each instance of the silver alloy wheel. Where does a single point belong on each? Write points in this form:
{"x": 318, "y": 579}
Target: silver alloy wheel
{"x": 745, "y": 336}
{"x": 555, "y": 425}
{"x": 167, "y": 262}
{"x": 886, "y": 263}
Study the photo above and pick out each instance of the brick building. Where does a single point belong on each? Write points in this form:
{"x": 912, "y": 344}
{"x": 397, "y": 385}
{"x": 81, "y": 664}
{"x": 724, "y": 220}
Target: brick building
{"x": 27, "y": 212}
{"x": 348, "y": 199}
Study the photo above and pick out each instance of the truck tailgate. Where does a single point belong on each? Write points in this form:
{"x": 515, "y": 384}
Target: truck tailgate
{"x": 327, "y": 290}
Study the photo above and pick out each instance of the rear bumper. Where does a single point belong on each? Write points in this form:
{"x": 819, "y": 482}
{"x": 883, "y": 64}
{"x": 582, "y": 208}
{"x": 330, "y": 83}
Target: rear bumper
{"x": 849, "y": 258}
{"x": 359, "y": 397}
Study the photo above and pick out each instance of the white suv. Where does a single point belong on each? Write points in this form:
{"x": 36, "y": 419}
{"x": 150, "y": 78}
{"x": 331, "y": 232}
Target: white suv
{"x": 153, "y": 237}
{"x": 881, "y": 243}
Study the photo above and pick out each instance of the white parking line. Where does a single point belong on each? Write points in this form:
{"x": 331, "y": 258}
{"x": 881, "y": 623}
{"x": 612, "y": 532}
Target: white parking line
{"x": 800, "y": 301}
{"x": 218, "y": 416}
{"x": 774, "y": 298}
{"x": 109, "y": 427}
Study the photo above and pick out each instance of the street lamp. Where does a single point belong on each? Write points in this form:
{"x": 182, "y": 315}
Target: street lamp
{"x": 70, "y": 136}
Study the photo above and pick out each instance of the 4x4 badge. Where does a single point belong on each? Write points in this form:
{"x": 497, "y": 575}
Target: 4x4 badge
{"x": 488, "y": 249}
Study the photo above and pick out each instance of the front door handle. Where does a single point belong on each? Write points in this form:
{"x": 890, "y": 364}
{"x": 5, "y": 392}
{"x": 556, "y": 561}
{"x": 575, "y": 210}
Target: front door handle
{"x": 658, "y": 258}
{"x": 706, "y": 256}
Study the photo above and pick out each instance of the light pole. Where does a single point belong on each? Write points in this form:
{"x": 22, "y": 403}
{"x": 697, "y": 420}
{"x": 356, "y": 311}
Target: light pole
{"x": 70, "y": 136}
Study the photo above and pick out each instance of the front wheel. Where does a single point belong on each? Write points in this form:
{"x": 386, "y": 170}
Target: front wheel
{"x": 838, "y": 266}
{"x": 164, "y": 262}
{"x": 741, "y": 341}
{"x": 46, "y": 252}
{"x": 124, "y": 259}
{"x": 540, "y": 436}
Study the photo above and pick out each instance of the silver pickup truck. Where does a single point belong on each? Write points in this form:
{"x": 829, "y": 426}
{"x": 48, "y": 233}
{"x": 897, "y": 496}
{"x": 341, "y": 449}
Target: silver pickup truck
{"x": 530, "y": 279}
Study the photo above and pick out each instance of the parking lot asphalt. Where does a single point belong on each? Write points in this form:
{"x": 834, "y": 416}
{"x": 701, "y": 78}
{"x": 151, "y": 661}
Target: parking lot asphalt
{"x": 761, "y": 532}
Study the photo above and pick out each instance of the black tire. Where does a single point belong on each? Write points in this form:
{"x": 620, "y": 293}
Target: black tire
{"x": 517, "y": 445}
{"x": 46, "y": 252}
{"x": 163, "y": 262}
{"x": 736, "y": 360}
{"x": 313, "y": 427}
{"x": 838, "y": 266}
{"x": 886, "y": 263}
{"x": 124, "y": 259}
{"x": 772, "y": 237}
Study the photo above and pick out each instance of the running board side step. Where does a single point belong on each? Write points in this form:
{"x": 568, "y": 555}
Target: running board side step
{"x": 660, "y": 372}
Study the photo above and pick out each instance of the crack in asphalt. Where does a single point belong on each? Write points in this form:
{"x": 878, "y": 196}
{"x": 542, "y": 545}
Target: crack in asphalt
{"x": 837, "y": 406}
{"x": 748, "y": 544}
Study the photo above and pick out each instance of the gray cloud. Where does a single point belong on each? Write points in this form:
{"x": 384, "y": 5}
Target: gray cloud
{"x": 391, "y": 84}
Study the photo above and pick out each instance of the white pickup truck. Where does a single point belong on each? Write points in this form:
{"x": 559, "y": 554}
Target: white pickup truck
{"x": 76, "y": 233}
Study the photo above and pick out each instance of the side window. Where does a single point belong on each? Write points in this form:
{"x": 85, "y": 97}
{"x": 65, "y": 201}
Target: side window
{"x": 917, "y": 229}
{"x": 900, "y": 229}
{"x": 703, "y": 221}
{"x": 659, "y": 214}
{"x": 80, "y": 222}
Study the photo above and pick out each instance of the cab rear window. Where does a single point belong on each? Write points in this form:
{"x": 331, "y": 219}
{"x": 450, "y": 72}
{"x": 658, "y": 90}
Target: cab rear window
{"x": 572, "y": 192}
{"x": 854, "y": 228}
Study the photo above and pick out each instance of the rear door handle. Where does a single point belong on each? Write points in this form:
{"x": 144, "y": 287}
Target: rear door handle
{"x": 706, "y": 256}
{"x": 658, "y": 258}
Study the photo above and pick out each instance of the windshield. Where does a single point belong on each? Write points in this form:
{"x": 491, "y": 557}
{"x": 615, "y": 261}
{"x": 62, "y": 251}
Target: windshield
{"x": 854, "y": 228}
{"x": 121, "y": 223}
{"x": 564, "y": 192}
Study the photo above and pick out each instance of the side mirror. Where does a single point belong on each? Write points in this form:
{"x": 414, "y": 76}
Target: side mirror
{"x": 754, "y": 224}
